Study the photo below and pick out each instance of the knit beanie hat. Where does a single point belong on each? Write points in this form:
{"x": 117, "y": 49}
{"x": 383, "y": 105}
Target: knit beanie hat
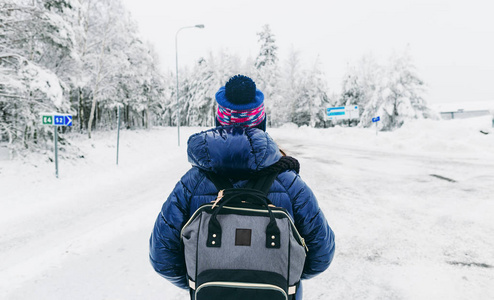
{"x": 240, "y": 102}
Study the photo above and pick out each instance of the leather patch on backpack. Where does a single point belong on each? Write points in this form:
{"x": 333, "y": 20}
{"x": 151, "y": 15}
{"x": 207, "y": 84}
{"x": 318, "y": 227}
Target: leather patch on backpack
{"x": 243, "y": 237}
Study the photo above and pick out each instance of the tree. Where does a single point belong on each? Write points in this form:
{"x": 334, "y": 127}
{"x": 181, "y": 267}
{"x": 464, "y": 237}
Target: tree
{"x": 352, "y": 92}
{"x": 101, "y": 61}
{"x": 290, "y": 88}
{"x": 36, "y": 44}
{"x": 268, "y": 74}
{"x": 204, "y": 85}
{"x": 118, "y": 67}
{"x": 360, "y": 82}
{"x": 309, "y": 108}
{"x": 72, "y": 56}
{"x": 26, "y": 91}
{"x": 268, "y": 55}
{"x": 398, "y": 96}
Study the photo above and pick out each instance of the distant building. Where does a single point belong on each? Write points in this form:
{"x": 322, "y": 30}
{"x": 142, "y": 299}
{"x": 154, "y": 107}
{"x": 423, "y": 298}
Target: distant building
{"x": 463, "y": 114}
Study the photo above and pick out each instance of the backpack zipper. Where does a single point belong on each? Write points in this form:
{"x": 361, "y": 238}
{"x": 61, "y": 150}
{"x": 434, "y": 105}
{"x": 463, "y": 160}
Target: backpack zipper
{"x": 244, "y": 285}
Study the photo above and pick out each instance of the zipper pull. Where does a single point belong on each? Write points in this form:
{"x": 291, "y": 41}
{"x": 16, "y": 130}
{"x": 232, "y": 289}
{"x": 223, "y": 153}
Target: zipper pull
{"x": 220, "y": 195}
{"x": 305, "y": 246}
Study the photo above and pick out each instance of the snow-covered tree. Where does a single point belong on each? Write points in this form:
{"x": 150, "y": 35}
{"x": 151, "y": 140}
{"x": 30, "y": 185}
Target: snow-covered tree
{"x": 290, "y": 87}
{"x": 154, "y": 85}
{"x": 165, "y": 105}
{"x": 103, "y": 53}
{"x": 352, "y": 92}
{"x": 71, "y": 56}
{"x": 360, "y": 82}
{"x": 268, "y": 75}
{"x": 310, "y": 106}
{"x": 118, "y": 67}
{"x": 398, "y": 95}
{"x": 27, "y": 91}
{"x": 35, "y": 45}
{"x": 202, "y": 109}
{"x": 268, "y": 53}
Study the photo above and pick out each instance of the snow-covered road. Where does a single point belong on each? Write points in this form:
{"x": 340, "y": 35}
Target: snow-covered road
{"x": 402, "y": 233}
{"x": 409, "y": 224}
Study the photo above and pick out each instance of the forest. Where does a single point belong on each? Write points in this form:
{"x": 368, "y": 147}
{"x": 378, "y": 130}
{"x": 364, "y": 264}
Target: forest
{"x": 87, "y": 58}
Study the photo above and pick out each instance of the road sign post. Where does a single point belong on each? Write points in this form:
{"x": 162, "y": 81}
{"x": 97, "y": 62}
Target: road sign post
{"x": 55, "y": 120}
{"x": 375, "y": 120}
{"x": 118, "y": 132}
{"x": 55, "y": 139}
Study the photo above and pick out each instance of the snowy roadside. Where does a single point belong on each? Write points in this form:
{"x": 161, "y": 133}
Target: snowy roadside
{"x": 46, "y": 221}
{"x": 401, "y": 232}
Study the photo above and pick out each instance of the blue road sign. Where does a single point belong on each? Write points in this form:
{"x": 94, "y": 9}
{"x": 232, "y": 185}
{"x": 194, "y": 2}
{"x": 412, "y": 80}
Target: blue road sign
{"x": 62, "y": 120}
{"x": 334, "y": 108}
{"x": 59, "y": 120}
{"x": 376, "y": 119}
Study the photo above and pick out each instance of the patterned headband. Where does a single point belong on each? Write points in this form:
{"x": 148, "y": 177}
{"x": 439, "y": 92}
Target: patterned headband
{"x": 247, "y": 117}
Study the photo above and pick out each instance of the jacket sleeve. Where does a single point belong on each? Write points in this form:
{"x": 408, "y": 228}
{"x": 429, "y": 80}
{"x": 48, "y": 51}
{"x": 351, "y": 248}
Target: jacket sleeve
{"x": 314, "y": 228}
{"x": 165, "y": 249}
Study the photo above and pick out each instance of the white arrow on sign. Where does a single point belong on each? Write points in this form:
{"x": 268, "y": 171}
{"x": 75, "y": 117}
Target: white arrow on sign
{"x": 68, "y": 120}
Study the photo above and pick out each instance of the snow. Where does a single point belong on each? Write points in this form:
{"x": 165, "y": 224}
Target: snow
{"x": 46, "y": 82}
{"x": 411, "y": 209}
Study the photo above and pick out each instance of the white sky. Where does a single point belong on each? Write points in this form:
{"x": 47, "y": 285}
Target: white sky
{"x": 451, "y": 41}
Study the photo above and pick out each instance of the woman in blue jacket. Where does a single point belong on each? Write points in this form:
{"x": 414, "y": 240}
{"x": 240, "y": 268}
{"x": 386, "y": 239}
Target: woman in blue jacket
{"x": 238, "y": 148}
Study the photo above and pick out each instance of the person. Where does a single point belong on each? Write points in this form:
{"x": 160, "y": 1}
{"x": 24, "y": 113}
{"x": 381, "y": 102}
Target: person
{"x": 237, "y": 149}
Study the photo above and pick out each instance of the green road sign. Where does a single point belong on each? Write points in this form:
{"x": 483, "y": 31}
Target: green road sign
{"x": 56, "y": 119}
{"x": 47, "y": 120}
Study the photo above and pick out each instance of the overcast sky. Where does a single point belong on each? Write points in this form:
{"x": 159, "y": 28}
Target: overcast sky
{"x": 451, "y": 41}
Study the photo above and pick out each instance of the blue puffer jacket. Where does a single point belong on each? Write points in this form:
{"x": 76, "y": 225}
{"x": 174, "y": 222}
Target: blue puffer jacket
{"x": 236, "y": 153}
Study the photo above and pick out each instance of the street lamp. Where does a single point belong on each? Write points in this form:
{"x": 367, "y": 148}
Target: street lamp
{"x": 176, "y": 60}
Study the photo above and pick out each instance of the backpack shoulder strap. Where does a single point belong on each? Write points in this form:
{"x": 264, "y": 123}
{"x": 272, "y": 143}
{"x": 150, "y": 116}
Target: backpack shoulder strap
{"x": 220, "y": 182}
{"x": 262, "y": 183}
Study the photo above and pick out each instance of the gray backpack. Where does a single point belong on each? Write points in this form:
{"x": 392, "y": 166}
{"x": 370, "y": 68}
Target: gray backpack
{"x": 242, "y": 247}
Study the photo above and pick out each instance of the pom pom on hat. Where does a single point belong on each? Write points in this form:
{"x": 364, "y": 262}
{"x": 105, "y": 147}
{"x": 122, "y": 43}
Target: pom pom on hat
{"x": 240, "y": 89}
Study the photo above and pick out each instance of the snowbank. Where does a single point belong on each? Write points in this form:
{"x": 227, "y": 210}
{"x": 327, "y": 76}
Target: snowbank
{"x": 474, "y": 136}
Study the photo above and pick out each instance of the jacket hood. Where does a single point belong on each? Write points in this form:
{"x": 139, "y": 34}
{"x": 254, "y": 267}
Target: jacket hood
{"x": 232, "y": 151}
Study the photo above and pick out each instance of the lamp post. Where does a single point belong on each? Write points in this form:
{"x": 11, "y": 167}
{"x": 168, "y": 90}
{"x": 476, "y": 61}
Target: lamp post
{"x": 176, "y": 60}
